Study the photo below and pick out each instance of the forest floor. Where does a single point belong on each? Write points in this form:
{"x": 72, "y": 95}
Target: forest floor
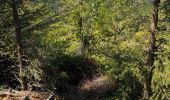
{"x": 23, "y": 95}
{"x": 26, "y": 95}
{"x": 94, "y": 89}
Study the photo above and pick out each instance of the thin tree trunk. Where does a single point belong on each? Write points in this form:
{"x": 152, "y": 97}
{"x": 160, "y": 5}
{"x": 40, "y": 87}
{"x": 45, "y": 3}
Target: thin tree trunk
{"x": 147, "y": 91}
{"x": 80, "y": 23}
{"x": 19, "y": 44}
{"x": 83, "y": 51}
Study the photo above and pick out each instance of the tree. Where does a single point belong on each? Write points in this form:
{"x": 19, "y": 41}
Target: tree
{"x": 20, "y": 18}
{"x": 151, "y": 53}
{"x": 18, "y": 37}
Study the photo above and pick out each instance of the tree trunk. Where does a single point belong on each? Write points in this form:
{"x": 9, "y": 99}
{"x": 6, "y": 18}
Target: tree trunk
{"x": 82, "y": 47}
{"x": 147, "y": 91}
{"x": 19, "y": 45}
{"x": 82, "y": 50}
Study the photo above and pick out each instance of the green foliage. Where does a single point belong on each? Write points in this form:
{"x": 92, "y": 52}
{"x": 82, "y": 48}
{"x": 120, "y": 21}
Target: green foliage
{"x": 112, "y": 34}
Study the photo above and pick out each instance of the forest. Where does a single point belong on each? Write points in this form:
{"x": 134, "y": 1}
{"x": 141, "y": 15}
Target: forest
{"x": 84, "y": 49}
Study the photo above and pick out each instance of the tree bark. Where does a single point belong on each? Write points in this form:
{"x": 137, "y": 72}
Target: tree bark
{"x": 82, "y": 50}
{"x": 80, "y": 24}
{"x": 147, "y": 91}
{"x": 18, "y": 38}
